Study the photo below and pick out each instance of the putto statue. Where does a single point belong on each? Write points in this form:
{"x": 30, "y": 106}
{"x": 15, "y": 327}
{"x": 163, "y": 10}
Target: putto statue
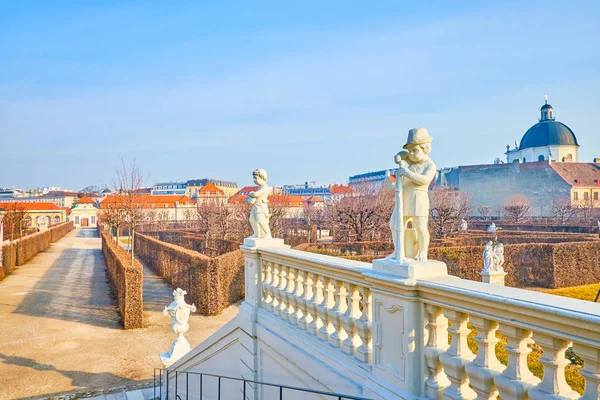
{"x": 415, "y": 173}
{"x": 259, "y": 215}
{"x": 488, "y": 257}
{"x": 463, "y": 225}
{"x": 180, "y": 315}
{"x": 499, "y": 257}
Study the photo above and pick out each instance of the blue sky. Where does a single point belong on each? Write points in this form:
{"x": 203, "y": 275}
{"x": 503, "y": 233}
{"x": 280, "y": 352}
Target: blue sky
{"x": 308, "y": 90}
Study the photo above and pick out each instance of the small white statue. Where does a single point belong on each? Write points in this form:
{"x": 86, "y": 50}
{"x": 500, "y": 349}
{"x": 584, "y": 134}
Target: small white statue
{"x": 463, "y": 225}
{"x": 259, "y": 215}
{"x": 598, "y": 226}
{"x": 493, "y": 228}
{"x": 488, "y": 257}
{"x": 416, "y": 171}
{"x": 180, "y": 315}
{"x": 498, "y": 258}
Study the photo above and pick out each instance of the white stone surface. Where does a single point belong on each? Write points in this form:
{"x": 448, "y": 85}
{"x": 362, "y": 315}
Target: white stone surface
{"x": 179, "y": 311}
{"x": 410, "y": 269}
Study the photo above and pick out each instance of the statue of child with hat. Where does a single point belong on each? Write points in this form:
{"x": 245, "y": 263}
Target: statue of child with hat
{"x": 417, "y": 171}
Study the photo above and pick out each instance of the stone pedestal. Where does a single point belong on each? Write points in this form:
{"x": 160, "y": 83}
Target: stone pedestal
{"x": 495, "y": 277}
{"x": 179, "y": 348}
{"x": 263, "y": 242}
{"x": 410, "y": 269}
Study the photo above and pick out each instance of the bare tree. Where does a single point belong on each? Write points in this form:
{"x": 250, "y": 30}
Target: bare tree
{"x": 127, "y": 183}
{"x": 586, "y": 212}
{"x": 516, "y": 208}
{"x": 563, "y": 210}
{"x": 314, "y": 214}
{"x": 113, "y": 216}
{"x": 484, "y": 212}
{"x": 447, "y": 208}
{"x": 15, "y": 219}
{"x": 361, "y": 214}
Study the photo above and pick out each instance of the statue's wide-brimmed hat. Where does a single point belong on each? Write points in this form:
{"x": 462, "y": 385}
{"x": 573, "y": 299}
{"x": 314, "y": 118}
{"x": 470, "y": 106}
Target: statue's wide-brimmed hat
{"x": 417, "y": 136}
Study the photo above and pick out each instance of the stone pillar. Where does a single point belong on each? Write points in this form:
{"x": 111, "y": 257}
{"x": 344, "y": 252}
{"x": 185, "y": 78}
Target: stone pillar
{"x": 253, "y": 275}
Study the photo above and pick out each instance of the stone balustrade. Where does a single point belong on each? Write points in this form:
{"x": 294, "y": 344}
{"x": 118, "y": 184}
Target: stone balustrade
{"x": 410, "y": 335}
{"x": 330, "y": 301}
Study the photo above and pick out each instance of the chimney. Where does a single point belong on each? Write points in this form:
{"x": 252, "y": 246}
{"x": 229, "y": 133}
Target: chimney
{"x": 577, "y": 180}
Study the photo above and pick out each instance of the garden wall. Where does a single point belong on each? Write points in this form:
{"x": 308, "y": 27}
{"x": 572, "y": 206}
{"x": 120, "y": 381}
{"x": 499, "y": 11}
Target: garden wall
{"x": 212, "y": 283}
{"x": 20, "y": 251}
{"x": 126, "y": 280}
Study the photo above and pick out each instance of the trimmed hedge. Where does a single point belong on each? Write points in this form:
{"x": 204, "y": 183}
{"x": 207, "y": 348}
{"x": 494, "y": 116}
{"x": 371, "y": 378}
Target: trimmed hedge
{"x": 546, "y": 265}
{"x": 22, "y": 250}
{"x": 212, "y": 283}
{"x": 126, "y": 280}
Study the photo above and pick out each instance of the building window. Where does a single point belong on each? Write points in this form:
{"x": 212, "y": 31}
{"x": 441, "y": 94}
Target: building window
{"x": 524, "y": 159}
{"x": 76, "y": 220}
{"x": 541, "y": 158}
{"x": 93, "y": 219}
{"x": 586, "y": 196}
{"x": 596, "y": 196}
{"x": 575, "y": 196}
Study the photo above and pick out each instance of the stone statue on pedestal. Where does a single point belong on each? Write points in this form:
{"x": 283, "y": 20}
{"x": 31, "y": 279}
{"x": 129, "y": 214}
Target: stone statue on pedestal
{"x": 414, "y": 175}
{"x": 488, "y": 257}
{"x": 179, "y": 311}
{"x": 259, "y": 215}
{"x": 463, "y": 225}
{"x": 498, "y": 257}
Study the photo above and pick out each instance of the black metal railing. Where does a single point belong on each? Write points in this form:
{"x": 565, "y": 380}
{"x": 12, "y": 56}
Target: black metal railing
{"x": 162, "y": 379}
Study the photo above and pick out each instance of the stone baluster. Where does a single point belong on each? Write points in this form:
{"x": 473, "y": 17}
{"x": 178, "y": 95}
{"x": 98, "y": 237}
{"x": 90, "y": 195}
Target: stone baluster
{"x": 338, "y": 335}
{"x": 350, "y": 344}
{"x": 485, "y": 366}
{"x": 590, "y": 370}
{"x": 314, "y": 302}
{"x": 296, "y": 296}
{"x": 273, "y": 288}
{"x": 437, "y": 344}
{"x": 289, "y": 293}
{"x": 323, "y": 308}
{"x": 516, "y": 379}
{"x": 304, "y": 301}
{"x": 457, "y": 357}
{"x": 266, "y": 286}
{"x": 282, "y": 289}
{"x": 363, "y": 326}
{"x": 554, "y": 385}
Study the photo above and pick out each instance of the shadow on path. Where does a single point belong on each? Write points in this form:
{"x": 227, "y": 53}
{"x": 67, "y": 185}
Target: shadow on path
{"x": 87, "y": 233}
{"x": 75, "y": 289}
{"x": 82, "y": 380}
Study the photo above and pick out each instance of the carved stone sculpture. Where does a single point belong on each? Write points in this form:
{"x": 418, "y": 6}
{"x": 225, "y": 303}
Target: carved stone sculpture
{"x": 488, "y": 257}
{"x": 463, "y": 225}
{"x": 179, "y": 311}
{"x": 415, "y": 173}
{"x": 259, "y": 215}
{"x": 498, "y": 258}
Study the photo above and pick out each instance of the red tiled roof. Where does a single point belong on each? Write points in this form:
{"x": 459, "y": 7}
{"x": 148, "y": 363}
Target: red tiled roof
{"x": 85, "y": 200}
{"x": 33, "y": 206}
{"x": 578, "y": 174}
{"x": 287, "y": 201}
{"x": 315, "y": 199}
{"x": 237, "y": 199}
{"x": 147, "y": 201}
{"x": 246, "y": 189}
{"x": 340, "y": 189}
{"x": 210, "y": 189}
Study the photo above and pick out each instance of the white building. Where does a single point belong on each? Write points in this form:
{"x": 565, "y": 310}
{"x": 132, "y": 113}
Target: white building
{"x": 546, "y": 140}
{"x": 84, "y": 213}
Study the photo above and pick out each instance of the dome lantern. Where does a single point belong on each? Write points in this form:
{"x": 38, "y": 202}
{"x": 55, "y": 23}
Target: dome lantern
{"x": 547, "y": 111}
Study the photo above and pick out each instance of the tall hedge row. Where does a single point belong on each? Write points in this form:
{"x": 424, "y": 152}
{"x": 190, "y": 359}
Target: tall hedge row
{"x": 126, "y": 280}
{"x": 20, "y": 251}
{"x": 212, "y": 283}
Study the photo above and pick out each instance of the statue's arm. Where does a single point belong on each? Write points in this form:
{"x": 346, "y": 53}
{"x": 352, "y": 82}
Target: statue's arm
{"x": 261, "y": 191}
{"x": 422, "y": 179}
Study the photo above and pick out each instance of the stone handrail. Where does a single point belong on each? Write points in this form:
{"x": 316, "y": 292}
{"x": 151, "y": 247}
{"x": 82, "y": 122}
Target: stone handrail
{"x": 523, "y": 317}
{"x": 399, "y": 328}
{"x": 325, "y": 296}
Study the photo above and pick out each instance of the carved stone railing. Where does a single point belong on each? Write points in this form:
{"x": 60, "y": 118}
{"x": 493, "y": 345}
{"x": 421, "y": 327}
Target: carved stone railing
{"x": 328, "y": 299}
{"x": 523, "y": 317}
{"x": 399, "y": 328}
